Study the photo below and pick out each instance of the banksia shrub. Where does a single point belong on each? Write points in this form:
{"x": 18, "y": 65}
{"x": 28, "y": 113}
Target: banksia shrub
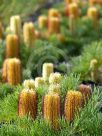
{"x": 51, "y": 109}
{"x": 29, "y": 84}
{"x": 86, "y": 92}
{"x": 92, "y": 13}
{"x": 48, "y": 68}
{"x": 55, "y": 78}
{"x": 12, "y": 46}
{"x": 42, "y": 21}
{"x": 54, "y": 25}
{"x": 53, "y": 13}
{"x": 73, "y": 9}
{"x": 12, "y": 71}
{"x": 73, "y": 102}
{"x": 54, "y": 88}
{"x": 27, "y": 103}
{"x": 29, "y": 34}
{"x": 15, "y": 25}
{"x": 39, "y": 81}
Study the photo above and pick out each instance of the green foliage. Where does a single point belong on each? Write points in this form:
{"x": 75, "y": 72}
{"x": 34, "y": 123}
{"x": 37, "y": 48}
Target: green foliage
{"x": 81, "y": 64}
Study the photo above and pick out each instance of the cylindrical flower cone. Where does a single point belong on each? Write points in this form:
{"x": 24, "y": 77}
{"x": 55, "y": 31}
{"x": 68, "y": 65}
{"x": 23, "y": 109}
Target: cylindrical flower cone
{"x": 68, "y": 1}
{"x": 1, "y": 31}
{"x": 53, "y": 13}
{"x": 55, "y": 88}
{"x": 48, "y": 68}
{"x": 72, "y": 24}
{"x": 42, "y": 21}
{"x": 15, "y": 25}
{"x": 51, "y": 109}
{"x": 54, "y": 25}
{"x": 73, "y": 102}
{"x": 55, "y": 78}
{"x": 27, "y": 103}
{"x": 29, "y": 34}
{"x": 5, "y": 70}
{"x": 29, "y": 84}
{"x": 94, "y": 69}
{"x": 92, "y": 13}
{"x": 39, "y": 81}
{"x": 73, "y": 9}
{"x": 86, "y": 92}
{"x": 12, "y": 46}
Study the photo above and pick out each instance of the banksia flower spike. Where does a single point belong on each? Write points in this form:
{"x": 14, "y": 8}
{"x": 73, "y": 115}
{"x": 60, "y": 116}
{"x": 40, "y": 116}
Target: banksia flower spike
{"x": 86, "y": 92}
{"x": 94, "y": 69}
{"x": 72, "y": 24}
{"x": 73, "y": 9}
{"x": 12, "y": 71}
{"x": 68, "y": 1}
{"x": 48, "y": 68}
{"x": 15, "y": 25}
{"x": 1, "y": 31}
{"x": 53, "y": 13}
{"x": 54, "y": 25}
{"x": 29, "y": 34}
{"x": 39, "y": 81}
{"x": 55, "y": 78}
{"x": 29, "y": 84}
{"x": 92, "y": 13}
{"x": 51, "y": 109}
{"x": 73, "y": 102}
{"x": 27, "y": 103}
{"x": 54, "y": 88}
{"x": 42, "y": 21}
{"x": 12, "y": 46}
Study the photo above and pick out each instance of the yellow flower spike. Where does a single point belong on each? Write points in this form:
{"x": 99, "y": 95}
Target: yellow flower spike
{"x": 27, "y": 103}
{"x": 51, "y": 109}
{"x": 73, "y": 102}
{"x": 12, "y": 46}
{"x": 68, "y": 1}
{"x": 92, "y": 13}
{"x": 73, "y": 9}
{"x": 72, "y": 24}
{"x": 54, "y": 88}
{"x": 48, "y": 68}
{"x": 1, "y": 31}
{"x": 29, "y": 34}
{"x": 86, "y": 92}
{"x": 53, "y": 13}
{"x": 29, "y": 84}
{"x": 39, "y": 81}
{"x": 55, "y": 78}
{"x": 54, "y": 25}
{"x": 4, "y": 70}
{"x": 15, "y": 25}
{"x": 42, "y": 21}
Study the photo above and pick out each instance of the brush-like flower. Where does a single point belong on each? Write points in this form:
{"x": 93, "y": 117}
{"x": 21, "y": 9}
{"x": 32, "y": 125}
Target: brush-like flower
{"x": 72, "y": 24}
{"x": 1, "y": 30}
{"x": 73, "y": 9}
{"x": 73, "y": 103}
{"x": 94, "y": 69}
{"x": 53, "y": 13}
{"x": 42, "y": 21}
{"x": 92, "y": 13}
{"x": 12, "y": 46}
{"x": 27, "y": 103}
{"x": 39, "y": 81}
{"x": 51, "y": 109}
{"x": 55, "y": 78}
{"x": 54, "y": 88}
{"x": 48, "y": 68}
{"x": 29, "y": 84}
{"x": 15, "y": 25}
{"x": 29, "y": 34}
{"x": 54, "y": 25}
{"x": 86, "y": 92}
{"x": 12, "y": 71}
